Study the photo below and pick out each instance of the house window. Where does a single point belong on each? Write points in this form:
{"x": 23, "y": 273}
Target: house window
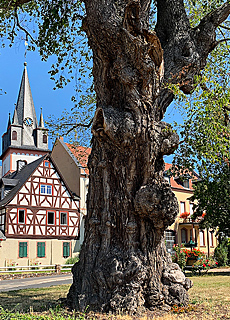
{"x": 183, "y": 236}
{"x": 41, "y": 249}
{"x": 46, "y": 189}
{"x": 21, "y": 216}
{"x": 50, "y": 217}
{"x": 2, "y": 220}
{"x": 23, "y": 249}
{"x": 202, "y": 240}
{"x": 44, "y": 138}
{"x": 64, "y": 218}
{"x": 191, "y": 208}
{"x": 167, "y": 178}
{"x": 182, "y": 207}
{"x": 186, "y": 183}
{"x": 46, "y": 163}
{"x": 14, "y": 135}
{"x": 66, "y": 249}
{"x": 211, "y": 239}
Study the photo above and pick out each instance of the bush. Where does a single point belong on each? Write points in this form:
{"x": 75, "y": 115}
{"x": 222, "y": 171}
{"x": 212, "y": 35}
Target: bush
{"x": 221, "y": 252}
{"x": 72, "y": 260}
{"x": 180, "y": 256}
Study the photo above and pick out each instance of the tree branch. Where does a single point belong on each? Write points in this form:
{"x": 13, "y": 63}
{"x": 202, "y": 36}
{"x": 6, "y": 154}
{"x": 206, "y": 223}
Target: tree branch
{"x": 223, "y": 40}
{"x": 224, "y": 27}
{"x": 20, "y": 27}
{"x": 78, "y": 125}
{"x": 186, "y": 49}
{"x": 217, "y": 16}
{"x": 9, "y": 5}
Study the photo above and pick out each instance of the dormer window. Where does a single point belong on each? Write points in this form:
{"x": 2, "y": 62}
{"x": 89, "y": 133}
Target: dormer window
{"x": 186, "y": 183}
{"x": 166, "y": 176}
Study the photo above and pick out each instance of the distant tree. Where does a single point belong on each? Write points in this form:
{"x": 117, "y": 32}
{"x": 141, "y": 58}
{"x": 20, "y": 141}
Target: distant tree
{"x": 213, "y": 200}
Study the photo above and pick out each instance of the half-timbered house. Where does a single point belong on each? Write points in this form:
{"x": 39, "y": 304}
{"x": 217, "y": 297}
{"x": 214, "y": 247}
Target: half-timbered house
{"x": 39, "y": 213}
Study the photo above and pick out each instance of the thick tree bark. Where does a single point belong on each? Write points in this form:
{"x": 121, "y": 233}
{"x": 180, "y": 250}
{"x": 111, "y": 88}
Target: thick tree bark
{"x": 123, "y": 262}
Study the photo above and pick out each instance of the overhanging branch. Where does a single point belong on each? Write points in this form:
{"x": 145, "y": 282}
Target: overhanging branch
{"x": 22, "y": 28}
{"x": 77, "y": 125}
{"x": 217, "y": 16}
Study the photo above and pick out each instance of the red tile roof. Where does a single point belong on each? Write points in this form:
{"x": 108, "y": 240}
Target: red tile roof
{"x": 82, "y": 154}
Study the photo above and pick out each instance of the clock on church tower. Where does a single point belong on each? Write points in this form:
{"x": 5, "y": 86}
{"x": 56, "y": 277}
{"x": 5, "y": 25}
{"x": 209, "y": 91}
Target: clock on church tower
{"x": 28, "y": 121}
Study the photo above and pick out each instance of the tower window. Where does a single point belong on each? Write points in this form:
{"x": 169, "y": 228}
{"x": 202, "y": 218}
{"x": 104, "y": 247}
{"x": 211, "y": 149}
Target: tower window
{"x": 44, "y": 138}
{"x": 14, "y": 135}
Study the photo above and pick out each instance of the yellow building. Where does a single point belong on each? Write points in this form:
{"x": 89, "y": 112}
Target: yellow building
{"x": 184, "y": 228}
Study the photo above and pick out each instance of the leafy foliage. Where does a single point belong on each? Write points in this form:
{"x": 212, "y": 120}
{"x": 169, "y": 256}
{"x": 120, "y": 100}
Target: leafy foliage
{"x": 212, "y": 195}
{"x": 205, "y": 132}
{"x": 222, "y": 252}
{"x": 72, "y": 260}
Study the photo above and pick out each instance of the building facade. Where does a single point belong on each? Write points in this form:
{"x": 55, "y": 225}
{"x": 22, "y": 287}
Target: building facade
{"x": 184, "y": 228}
{"x": 39, "y": 213}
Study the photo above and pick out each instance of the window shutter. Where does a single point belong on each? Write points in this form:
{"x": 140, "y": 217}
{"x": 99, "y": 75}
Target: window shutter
{"x": 41, "y": 249}
{"x": 22, "y": 249}
{"x": 66, "y": 249}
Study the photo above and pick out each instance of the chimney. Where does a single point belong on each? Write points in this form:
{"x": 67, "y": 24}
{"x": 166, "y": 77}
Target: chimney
{"x": 20, "y": 164}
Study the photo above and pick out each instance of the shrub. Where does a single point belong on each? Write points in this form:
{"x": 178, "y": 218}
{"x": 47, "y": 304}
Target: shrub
{"x": 72, "y": 260}
{"x": 180, "y": 256}
{"x": 221, "y": 252}
{"x": 205, "y": 263}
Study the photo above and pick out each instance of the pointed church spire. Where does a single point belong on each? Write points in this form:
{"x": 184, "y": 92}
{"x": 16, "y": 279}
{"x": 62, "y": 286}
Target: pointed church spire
{"x": 15, "y": 118}
{"x": 41, "y": 122}
{"x": 25, "y": 105}
{"x": 9, "y": 121}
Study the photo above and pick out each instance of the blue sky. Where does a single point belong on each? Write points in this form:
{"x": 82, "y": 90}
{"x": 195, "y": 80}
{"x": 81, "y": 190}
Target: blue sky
{"x": 53, "y": 102}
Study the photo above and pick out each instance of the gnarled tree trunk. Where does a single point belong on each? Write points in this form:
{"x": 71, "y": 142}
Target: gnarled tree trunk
{"x": 123, "y": 262}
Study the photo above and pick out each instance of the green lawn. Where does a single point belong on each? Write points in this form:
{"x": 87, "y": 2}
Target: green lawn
{"x": 209, "y": 299}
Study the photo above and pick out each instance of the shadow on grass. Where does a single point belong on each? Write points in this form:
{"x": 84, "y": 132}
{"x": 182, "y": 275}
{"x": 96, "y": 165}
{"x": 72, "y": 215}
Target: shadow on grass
{"x": 37, "y": 300}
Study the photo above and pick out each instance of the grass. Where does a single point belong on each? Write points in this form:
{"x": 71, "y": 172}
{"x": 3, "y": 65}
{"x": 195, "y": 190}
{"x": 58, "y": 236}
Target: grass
{"x": 209, "y": 299}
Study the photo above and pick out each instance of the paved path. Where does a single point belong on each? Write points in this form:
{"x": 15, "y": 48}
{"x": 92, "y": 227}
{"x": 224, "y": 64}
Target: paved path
{"x": 39, "y": 282}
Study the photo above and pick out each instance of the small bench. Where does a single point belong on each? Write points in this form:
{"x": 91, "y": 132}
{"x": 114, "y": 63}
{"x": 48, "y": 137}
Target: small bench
{"x": 196, "y": 269}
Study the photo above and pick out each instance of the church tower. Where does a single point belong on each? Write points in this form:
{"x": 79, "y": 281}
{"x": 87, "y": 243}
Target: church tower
{"x": 25, "y": 139}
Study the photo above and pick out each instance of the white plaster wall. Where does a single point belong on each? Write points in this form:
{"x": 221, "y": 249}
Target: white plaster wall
{"x": 9, "y": 252}
{"x": 28, "y": 158}
{"x": 6, "y": 165}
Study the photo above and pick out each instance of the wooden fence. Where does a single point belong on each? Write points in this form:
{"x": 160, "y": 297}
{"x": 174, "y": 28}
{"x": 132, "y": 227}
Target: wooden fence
{"x": 57, "y": 268}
